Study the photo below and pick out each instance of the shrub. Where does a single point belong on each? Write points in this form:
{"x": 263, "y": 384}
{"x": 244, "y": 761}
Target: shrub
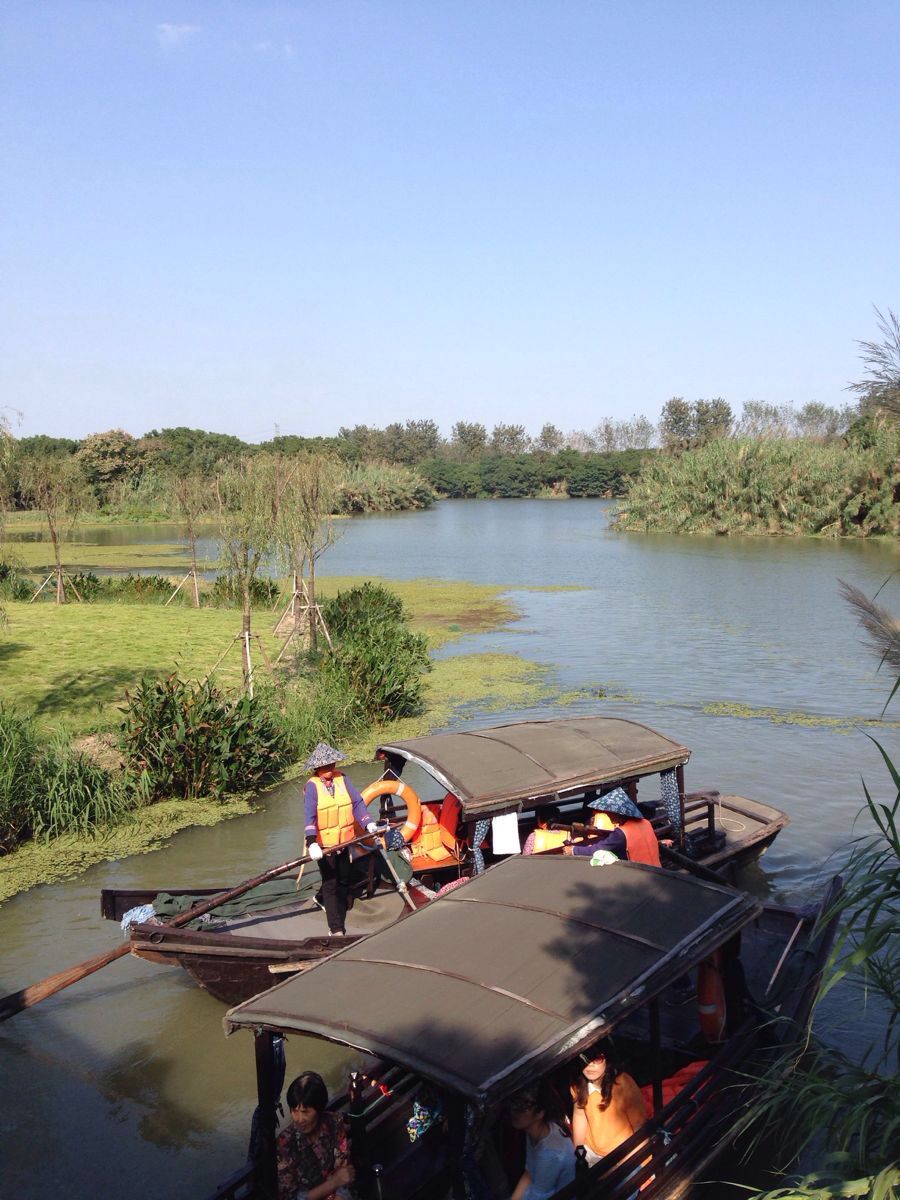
{"x": 778, "y": 486}
{"x": 183, "y": 738}
{"x": 382, "y": 487}
{"x": 18, "y": 778}
{"x": 14, "y": 584}
{"x": 226, "y": 591}
{"x": 75, "y": 794}
{"x": 376, "y": 658}
{"x": 88, "y": 585}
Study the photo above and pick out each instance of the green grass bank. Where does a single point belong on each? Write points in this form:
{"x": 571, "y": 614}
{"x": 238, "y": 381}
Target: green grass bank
{"x": 70, "y": 666}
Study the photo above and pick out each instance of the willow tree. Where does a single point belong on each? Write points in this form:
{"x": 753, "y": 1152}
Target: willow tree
{"x": 309, "y": 497}
{"x": 246, "y": 507}
{"x": 192, "y": 499}
{"x": 58, "y": 487}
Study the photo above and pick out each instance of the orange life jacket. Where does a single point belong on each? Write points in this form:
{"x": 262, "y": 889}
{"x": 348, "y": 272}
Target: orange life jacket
{"x": 334, "y": 814}
{"x": 428, "y": 840}
{"x": 711, "y": 999}
{"x": 672, "y": 1086}
{"x": 641, "y": 841}
{"x": 548, "y": 839}
{"x": 435, "y": 843}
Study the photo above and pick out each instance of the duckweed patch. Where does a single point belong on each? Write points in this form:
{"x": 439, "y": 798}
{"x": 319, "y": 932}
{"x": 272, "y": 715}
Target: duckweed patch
{"x": 86, "y": 556}
{"x": 147, "y": 829}
{"x": 783, "y": 717}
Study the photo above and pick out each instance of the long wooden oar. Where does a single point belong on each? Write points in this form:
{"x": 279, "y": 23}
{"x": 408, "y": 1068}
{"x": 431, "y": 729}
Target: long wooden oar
{"x": 30, "y": 996}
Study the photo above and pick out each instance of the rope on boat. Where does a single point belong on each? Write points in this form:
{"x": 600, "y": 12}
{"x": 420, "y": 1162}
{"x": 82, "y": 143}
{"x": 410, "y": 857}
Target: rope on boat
{"x": 732, "y": 824}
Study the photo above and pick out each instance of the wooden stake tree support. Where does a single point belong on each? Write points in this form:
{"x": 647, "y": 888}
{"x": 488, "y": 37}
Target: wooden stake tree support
{"x": 58, "y": 576}
{"x": 299, "y": 619}
{"x": 195, "y": 588}
{"x": 245, "y": 640}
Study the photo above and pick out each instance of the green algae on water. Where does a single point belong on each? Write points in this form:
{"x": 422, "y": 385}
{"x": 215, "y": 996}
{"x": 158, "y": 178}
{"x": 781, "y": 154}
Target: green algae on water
{"x": 778, "y": 716}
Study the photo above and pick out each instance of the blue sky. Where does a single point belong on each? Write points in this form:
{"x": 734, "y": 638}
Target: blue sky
{"x": 253, "y": 217}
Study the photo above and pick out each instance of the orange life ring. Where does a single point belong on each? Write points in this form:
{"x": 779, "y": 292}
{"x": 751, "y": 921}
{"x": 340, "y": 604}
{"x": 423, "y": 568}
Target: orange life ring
{"x": 396, "y": 787}
{"x": 711, "y": 999}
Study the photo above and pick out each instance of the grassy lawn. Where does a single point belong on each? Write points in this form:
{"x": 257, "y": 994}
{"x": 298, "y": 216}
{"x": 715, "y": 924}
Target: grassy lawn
{"x": 70, "y": 664}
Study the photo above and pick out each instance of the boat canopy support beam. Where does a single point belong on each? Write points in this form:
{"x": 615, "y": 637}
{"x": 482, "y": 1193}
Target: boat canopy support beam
{"x": 266, "y": 1167}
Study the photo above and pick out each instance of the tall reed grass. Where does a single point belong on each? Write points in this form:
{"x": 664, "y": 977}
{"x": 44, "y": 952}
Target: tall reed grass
{"x": 49, "y": 790}
{"x": 382, "y": 487}
{"x": 771, "y": 487}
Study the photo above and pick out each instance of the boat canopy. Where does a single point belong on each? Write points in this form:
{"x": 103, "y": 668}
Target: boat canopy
{"x": 509, "y": 975}
{"x": 503, "y": 768}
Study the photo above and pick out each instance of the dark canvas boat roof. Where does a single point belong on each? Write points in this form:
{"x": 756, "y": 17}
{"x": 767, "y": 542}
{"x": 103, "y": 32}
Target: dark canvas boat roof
{"x": 500, "y": 768}
{"x": 510, "y": 974}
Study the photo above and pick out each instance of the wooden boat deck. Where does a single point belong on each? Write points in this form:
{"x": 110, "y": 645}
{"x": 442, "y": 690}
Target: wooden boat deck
{"x": 296, "y": 923}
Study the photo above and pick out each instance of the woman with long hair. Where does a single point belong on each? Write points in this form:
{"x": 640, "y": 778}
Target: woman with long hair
{"x": 608, "y": 1105}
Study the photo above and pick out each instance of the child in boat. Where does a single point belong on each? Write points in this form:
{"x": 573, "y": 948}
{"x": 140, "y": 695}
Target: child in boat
{"x": 314, "y": 1149}
{"x": 632, "y": 837}
{"x": 549, "y": 1154}
{"x": 608, "y": 1107}
{"x": 332, "y": 808}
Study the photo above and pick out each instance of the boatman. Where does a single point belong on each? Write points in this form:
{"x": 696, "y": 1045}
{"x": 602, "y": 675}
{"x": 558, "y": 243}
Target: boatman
{"x": 334, "y": 814}
{"x": 631, "y": 837}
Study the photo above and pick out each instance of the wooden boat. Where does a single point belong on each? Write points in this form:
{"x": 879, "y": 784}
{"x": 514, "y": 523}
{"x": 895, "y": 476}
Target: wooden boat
{"x": 273, "y": 931}
{"x": 569, "y": 762}
{"x": 481, "y": 774}
{"x": 508, "y": 980}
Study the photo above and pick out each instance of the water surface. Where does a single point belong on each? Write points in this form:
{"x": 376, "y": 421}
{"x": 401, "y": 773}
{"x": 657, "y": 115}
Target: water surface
{"x": 125, "y": 1083}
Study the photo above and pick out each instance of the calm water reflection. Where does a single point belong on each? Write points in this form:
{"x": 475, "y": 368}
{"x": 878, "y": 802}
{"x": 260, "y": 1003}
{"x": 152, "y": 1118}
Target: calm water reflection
{"x": 126, "y": 1082}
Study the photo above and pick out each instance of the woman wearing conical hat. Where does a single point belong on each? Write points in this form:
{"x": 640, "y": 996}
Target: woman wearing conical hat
{"x": 333, "y": 809}
{"x": 631, "y": 837}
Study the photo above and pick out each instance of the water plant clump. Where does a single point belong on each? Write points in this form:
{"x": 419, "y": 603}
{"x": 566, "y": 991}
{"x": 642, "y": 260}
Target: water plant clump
{"x": 183, "y": 738}
{"x": 75, "y": 794}
{"x": 49, "y": 790}
{"x": 775, "y": 486}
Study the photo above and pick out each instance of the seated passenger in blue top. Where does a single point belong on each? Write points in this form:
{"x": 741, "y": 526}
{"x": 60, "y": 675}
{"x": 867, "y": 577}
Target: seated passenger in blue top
{"x": 549, "y": 1153}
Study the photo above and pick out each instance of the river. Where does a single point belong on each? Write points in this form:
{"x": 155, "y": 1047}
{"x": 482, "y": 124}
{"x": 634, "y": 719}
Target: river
{"x": 740, "y": 648}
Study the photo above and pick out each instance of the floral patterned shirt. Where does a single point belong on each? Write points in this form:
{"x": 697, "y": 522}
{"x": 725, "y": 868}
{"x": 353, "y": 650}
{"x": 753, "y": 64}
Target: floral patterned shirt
{"x": 306, "y": 1160}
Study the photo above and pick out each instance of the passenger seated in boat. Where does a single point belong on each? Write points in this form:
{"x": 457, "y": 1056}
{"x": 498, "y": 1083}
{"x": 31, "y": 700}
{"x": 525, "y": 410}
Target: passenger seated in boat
{"x": 631, "y": 837}
{"x": 549, "y": 1154}
{"x": 314, "y": 1149}
{"x": 608, "y": 1105}
{"x": 545, "y": 816}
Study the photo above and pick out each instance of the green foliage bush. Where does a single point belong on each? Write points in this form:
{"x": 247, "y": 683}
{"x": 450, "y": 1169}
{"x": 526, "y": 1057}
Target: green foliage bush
{"x": 183, "y": 738}
{"x": 523, "y": 475}
{"x": 380, "y": 487}
{"x": 226, "y": 591}
{"x": 14, "y": 584}
{"x": 75, "y": 794}
{"x": 782, "y": 486}
{"x": 377, "y": 659}
{"x": 18, "y": 778}
{"x": 48, "y": 791}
